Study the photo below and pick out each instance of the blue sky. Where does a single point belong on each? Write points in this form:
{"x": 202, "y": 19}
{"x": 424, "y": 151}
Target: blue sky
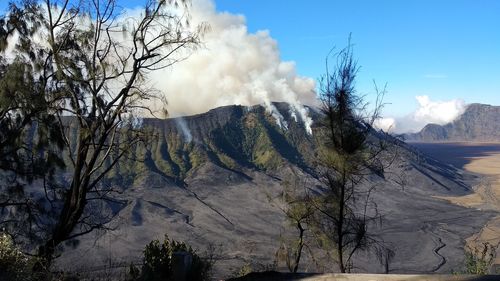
{"x": 445, "y": 49}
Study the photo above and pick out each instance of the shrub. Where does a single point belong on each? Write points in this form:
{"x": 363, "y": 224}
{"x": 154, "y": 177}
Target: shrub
{"x": 244, "y": 270}
{"x": 14, "y": 264}
{"x": 478, "y": 261}
{"x": 256, "y": 267}
{"x": 158, "y": 258}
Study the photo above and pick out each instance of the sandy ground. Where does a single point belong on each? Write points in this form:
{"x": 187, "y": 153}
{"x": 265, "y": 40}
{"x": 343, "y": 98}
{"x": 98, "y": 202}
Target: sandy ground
{"x": 233, "y": 214}
{"x": 486, "y": 196}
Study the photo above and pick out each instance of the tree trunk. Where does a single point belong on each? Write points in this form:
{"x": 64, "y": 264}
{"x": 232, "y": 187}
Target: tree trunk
{"x": 340, "y": 225}
{"x": 72, "y": 211}
{"x": 74, "y": 205}
{"x": 340, "y": 253}
{"x": 298, "y": 253}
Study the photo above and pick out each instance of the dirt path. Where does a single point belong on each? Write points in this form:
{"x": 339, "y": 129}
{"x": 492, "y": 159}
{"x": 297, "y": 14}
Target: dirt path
{"x": 428, "y": 228}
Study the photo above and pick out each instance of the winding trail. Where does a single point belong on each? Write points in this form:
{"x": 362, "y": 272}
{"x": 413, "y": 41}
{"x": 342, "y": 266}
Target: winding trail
{"x": 427, "y": 228}
{"x": 436, "y": 250}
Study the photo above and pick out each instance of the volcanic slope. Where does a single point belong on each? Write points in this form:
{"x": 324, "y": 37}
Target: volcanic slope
{"x": 207, "y": 179}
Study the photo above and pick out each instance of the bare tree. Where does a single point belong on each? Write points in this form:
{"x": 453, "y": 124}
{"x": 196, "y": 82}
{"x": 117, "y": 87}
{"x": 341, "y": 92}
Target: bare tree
{"x": 385, "y": 255}
{"x": 295, "y": 202}
{"x": 92, "y": 66}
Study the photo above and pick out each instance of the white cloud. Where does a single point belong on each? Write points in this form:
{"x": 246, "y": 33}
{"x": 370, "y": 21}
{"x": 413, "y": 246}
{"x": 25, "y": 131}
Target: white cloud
{"x": 438, "y": 112}
{"x": 386, "y": 124}
{"x": 429, "y": 111}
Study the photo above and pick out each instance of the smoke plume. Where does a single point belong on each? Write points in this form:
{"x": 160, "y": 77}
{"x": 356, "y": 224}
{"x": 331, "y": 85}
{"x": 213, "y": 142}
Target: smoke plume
{"x": 233, "y": 67}
{"x": 182, "y": 126}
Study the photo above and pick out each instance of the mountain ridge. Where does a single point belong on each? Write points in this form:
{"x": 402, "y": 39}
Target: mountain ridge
{"x": 478, "y": 123}
{"x": 232, "y": 137}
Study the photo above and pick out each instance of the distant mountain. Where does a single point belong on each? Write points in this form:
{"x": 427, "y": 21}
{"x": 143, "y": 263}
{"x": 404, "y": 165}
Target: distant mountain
{"x": 207, "y": 179}
{"x": 479, "y": 122}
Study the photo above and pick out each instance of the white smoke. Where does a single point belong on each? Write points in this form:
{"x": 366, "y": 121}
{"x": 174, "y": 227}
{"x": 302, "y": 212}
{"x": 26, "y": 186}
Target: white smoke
{"x": 428, "y": 111}
{"x": 233, "y": 67}
{"x": 280, "y": 120}
{"x": 181, "y": 125}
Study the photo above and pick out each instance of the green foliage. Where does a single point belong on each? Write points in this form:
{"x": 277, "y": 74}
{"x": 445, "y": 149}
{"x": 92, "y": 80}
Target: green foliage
{"x": 255, "y": 266}
{"x": 180, "y": 157}
{"x": 196, "y": 157}
{"x": 71, "y": 74}
{"x": 226, "y": 160}
{"x": 261, "y": 148}
{"x": 17, "y": 266}
{"x": 346, "y": 158}
{"x": 26, "y": 125}
{"x": 244, "y": 270}
{"x": 174, "y": 157}
{"x": 246, "y": 142}
{"x": 251, "y": 140}
{"x": 162, "y": 157}
{"x": 158, "y": 259}
{"x": 479, "y": 260}
{"x": 14, "y": 264}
